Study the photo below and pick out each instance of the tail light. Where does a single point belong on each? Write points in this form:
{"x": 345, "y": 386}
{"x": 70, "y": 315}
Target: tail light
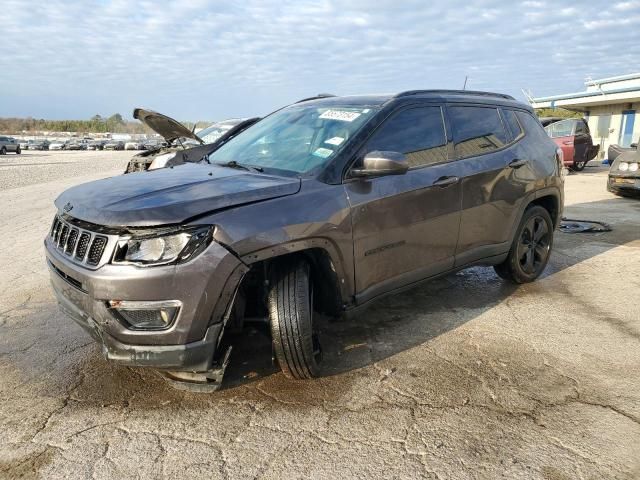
{"x": 560, "y": 160}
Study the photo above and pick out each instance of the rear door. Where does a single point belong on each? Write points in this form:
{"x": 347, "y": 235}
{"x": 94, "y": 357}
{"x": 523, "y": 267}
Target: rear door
{"x": 562, "y": 134}
{"x": 581, "y": 141}
{"x": 405, "y": 227}
{"x": 495, "y": 178}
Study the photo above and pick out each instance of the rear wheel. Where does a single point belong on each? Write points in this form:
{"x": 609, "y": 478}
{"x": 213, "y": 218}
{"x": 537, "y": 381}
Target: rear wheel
{"x": 18, "y": 150}
{"x": 293, "y": 332}
{"x": 530, "y": 249}
{"x": 3, "y": 151}
{"x": 579, "y": 166}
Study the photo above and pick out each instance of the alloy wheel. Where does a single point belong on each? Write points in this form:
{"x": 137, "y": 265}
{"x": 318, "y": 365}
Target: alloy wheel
{"x": 534, "y": 245}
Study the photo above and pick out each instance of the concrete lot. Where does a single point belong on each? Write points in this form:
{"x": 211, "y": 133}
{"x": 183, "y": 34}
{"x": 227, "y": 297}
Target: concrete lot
{"x": 465, "y": 377}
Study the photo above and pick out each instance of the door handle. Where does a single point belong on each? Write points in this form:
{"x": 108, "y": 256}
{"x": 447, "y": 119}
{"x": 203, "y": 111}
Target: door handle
{"x": 443, "y": 182}
{"x": 518, "y": 163}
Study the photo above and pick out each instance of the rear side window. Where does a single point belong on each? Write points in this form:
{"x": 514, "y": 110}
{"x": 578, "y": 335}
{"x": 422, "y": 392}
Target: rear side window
{"x": 560, "y": 129}
{"x": 512, "y": 124}
{"x": 531, "y": 125}
{"x": 581, "y": 127}
{"x": 477, "y": 130}
{"x": 417, "y": 132}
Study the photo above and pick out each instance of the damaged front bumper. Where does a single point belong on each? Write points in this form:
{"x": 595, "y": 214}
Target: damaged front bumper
{"x": 205, "y": 287}
{"x": 624, "y": 184}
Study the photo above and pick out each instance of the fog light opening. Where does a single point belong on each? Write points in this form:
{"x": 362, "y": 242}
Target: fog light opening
{"x": 146, "y": 315}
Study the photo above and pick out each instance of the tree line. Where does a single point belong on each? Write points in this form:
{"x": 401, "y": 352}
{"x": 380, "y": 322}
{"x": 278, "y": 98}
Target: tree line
{"x": 96, "y": 124}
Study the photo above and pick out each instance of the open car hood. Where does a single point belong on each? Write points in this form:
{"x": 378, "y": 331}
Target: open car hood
{"x": 167, "y": 127}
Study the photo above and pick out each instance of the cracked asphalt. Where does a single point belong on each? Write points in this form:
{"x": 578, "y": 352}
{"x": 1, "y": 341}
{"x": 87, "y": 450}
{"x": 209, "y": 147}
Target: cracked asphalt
{"x": 463, "y": 377}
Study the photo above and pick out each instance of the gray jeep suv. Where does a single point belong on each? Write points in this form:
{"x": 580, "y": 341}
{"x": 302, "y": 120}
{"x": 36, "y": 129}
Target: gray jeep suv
{"x": 322, "y": 206}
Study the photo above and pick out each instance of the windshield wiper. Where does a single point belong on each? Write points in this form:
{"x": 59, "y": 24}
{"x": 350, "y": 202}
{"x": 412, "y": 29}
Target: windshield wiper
{"x": 240, "y": 166}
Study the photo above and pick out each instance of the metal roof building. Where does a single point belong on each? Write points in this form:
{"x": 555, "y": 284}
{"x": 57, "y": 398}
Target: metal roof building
{"x": 609, "y": 105}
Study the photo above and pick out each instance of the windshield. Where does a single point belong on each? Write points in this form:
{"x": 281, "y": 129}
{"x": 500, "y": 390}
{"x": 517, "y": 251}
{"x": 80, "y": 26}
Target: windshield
{"x": 215, "y": 131}
{"x": 296, "y": 139}
{"x": 560, "y": 129}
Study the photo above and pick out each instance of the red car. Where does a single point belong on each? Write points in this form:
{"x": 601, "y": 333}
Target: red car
{"x": 573, "y": 137}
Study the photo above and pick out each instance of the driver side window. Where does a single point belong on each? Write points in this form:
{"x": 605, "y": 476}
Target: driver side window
{"x": 418, "y": 132}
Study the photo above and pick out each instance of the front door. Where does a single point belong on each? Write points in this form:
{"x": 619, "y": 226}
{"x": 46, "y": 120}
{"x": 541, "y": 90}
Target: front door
{"x": 405, "y": 227}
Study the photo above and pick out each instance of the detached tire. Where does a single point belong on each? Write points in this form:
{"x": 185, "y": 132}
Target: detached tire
{"x": 18, "y": 151}
{"x": 290, "y": 300}
{"x": 530, "y": 249}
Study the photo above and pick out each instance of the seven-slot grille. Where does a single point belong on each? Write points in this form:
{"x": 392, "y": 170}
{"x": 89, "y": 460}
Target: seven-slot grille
{"x": 82, "y": 245}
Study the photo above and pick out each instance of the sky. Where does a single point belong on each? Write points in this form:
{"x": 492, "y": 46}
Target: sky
{"x": 210, "y": 60}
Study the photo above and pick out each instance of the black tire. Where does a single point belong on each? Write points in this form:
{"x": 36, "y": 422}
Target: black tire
{"x": 578, "y": 166}
{"x": 18, "y": 150}
{"x": 290, "y": 300}
{"x": 3, "y": 151}
{"x": 530, "y": 249}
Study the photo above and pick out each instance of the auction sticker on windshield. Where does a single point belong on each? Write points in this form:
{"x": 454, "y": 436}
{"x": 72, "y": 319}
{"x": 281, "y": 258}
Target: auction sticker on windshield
{"x": 342, "y": 115}
{"x": 323, "y": 152}
{"x": 334, "y": 141}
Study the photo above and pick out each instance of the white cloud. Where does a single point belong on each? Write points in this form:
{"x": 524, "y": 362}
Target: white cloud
{"x": 626, "y": 6}
{"x": 211, "y": 59}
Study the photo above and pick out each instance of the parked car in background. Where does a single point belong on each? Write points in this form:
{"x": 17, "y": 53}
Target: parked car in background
{"x": 24, "y": 144}
{"x": 114, "y": 145}
{"x": 134, "y": 145}
{"x": 572, "y": 135}
{"x": 76, "y": 145}
{"x": 624, "y": 174}
{"x": 96, "y": 144}
{"x": 321, "y": 207}
{"x": 615, "y": 150}
{"x": 38, "y": 144}
{"x": 181, "y": 144}
{"x": 154, "y": 144}
{"x": 214, "y": 131}
{"x": 9, "y": 145}
{"x": 58, "y": 145}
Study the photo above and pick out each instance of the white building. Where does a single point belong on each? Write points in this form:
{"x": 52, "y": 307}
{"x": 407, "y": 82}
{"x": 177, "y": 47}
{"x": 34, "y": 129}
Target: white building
{"x": 609, "y": 105}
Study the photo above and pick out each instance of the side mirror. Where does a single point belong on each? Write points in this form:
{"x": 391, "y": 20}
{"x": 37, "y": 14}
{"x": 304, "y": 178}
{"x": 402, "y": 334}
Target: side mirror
{"x": 378, "y": 164}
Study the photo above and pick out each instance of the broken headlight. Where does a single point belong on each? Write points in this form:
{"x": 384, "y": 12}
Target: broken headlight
{"x": 163, "y": 248}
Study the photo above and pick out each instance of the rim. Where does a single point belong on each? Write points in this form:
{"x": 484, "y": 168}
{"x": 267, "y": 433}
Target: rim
{"x": 534, "y": 245}
{"x": 315, "y": 341}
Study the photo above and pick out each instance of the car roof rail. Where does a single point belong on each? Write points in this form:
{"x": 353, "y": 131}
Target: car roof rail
{"x": 316, "y": 97}
{"x": 476, "y": 93}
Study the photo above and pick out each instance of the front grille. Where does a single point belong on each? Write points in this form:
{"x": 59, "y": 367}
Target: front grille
{"x": 71, "y": 241}
{"x": 62, "y": 241}
{"x": 96, "y": 250}
{"x": 83, "y": 246}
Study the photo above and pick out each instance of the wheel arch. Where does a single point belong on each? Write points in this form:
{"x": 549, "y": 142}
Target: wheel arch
{"x": 551, "y": 203}
{"x": 326, "y": 271}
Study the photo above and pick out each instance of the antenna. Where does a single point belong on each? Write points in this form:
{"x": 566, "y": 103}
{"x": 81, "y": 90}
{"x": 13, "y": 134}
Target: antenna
{"x": 528, "y": 95}
{"x": 466, "y": 77}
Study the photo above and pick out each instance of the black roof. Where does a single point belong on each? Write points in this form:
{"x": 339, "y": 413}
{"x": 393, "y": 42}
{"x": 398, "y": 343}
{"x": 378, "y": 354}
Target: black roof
{"x": 443, "y": 95}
